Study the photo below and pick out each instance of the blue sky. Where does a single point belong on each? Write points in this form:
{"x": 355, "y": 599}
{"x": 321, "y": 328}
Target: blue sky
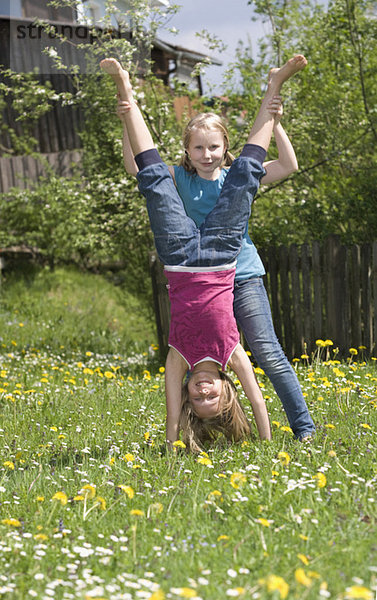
{"x": 230, "y": 20}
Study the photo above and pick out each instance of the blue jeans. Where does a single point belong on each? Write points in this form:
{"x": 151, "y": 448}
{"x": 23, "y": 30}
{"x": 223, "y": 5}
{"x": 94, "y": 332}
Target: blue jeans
{"x": 218, "y": 239}
{"x": 253, "y": 313}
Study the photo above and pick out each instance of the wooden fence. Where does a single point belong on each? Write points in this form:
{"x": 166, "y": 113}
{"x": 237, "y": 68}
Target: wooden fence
{"x": 24, "y": 171}
{"x": 316, "y": 291}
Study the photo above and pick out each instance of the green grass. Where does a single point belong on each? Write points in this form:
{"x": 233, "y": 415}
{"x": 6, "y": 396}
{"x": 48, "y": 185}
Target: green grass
{"x": 68, "y": 310}
{"x": 260, "y": 520}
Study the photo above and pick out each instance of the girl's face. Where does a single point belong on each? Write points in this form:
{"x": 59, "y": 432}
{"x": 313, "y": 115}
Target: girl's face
{"x": 204, "y": 390}
{"x": 206, "y": 150}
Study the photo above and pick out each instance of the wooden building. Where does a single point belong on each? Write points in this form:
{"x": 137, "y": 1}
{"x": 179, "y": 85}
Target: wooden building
{"x": 22, "y": 43}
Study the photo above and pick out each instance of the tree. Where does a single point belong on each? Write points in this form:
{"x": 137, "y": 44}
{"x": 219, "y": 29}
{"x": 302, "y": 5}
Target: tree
{"x": 330, "y": 114}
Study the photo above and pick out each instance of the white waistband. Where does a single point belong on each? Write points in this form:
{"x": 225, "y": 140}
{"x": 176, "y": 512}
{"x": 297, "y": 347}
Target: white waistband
{"x": 180, "y": 268}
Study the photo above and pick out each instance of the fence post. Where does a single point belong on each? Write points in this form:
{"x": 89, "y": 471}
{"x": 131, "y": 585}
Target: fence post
{"x": 373, "y": 348}
{"x": 336, "y": 288}
{"x": 317, "y": 291}
{"x": 355, "y": 294}
{"x": 161, "y": 303}
{"x": 296, "y": 301}
{"x": 285, "y": 299}
{"x": 366, "y": 295}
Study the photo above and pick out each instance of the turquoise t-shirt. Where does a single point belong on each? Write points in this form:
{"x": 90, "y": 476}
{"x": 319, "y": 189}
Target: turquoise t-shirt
{"x": 199, "y": 198}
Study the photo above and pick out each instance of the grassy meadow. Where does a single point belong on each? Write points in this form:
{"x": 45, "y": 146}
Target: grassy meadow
{"x": 91, "y": 506}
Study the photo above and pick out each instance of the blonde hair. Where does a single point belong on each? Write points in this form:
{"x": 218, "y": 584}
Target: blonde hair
{"x": 231, "y": 420}
{"x": 209, "y": 122}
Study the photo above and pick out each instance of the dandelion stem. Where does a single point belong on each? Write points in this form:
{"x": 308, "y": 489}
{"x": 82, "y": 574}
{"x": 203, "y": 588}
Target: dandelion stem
{"x": 134, "y": 529}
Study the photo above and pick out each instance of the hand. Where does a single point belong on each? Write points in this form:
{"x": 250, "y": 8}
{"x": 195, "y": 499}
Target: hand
{"x": 275, "y": 107}
{"x": 123, "y": 108}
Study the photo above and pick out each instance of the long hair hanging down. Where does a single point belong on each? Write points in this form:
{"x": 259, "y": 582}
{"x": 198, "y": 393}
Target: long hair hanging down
{"x": 231, "y": 420}
{"x": 209, "y": 122}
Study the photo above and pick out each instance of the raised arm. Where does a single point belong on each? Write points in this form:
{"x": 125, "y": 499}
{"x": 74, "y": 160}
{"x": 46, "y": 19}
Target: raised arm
{"x": 128, "y": 157}
{"x": 175, "y": 370}
{"x": 241, "y": 365}
{"x": 286, "y": 163}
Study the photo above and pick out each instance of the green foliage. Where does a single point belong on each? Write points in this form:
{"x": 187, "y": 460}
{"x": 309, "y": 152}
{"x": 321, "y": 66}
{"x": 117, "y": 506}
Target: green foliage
{"x": 332, "y": 120}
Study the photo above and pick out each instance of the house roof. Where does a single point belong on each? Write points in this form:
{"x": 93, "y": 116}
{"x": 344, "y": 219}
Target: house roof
{"x": 180, "y": 52}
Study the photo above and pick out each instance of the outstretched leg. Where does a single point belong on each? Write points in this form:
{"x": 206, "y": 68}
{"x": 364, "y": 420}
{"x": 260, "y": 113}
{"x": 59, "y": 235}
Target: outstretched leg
{"x": 261, "y": 131}
{"x": 138, "y": 132}
{"x": 175, "y": 233}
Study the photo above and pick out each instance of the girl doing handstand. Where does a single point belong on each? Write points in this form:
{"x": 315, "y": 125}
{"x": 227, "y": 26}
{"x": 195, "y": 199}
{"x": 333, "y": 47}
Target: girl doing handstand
{"x": 200, "y": 267}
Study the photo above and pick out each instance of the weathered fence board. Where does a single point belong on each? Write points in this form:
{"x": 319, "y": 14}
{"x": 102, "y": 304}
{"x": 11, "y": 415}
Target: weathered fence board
{"x": 374, "y": 299}
{"x": 23, "y": 171}
{"x": 317, "y": 291}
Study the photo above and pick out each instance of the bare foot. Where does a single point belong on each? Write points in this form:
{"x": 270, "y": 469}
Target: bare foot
{"x": 278, "y": 76}
{"x": 121, "y": 77}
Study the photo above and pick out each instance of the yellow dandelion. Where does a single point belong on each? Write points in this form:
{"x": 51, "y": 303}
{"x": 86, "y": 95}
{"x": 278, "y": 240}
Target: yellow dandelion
{"x": 237, "y": 480}
{"x": 42, "y": 537}
{"x": 155, "y": 509}
{"x": 330, "y": 426}
{"x": 314, "y": 575}
{"x": 136, "y": 512}
{"x": 284, "y": 458}
{"x": 12, "y": 522}
{"x": 353, "y": 351}
{"x": 203, "y": 460}
{"x": 8, "y": 464}
{"x": 215, "y": 495}
{"x": 88, "y": 491}
{"x": 259, "y": 371}
{"x": 304, "y": 559}
{"x": 302, "y": 578}
{"x": 321, "y": 479}
{"x": 40, "y": 498}
{"x": 264, "y": 522}
{"x": 101, "y": 502}
{"x": 287, "y": 429}
{"x": 223, "y": 538}
{"x": 320, "y": 343}
{"x": 303, "y": 537}
{"x": 179, "y": 444}
{"x": 365, "y": 426}
{"x": 358, "y": 591}
{"x": 129, "y": 457}
{"x": 60, "y": 497}
{"x": 162, "y": 369}
{"x": 329, "y": 343}
{"x": 331, "y": 453}
{"x": 184, "y": 592}
{"x": 158, "y": 595}
{"x": 78, "y": 498}
{"x": 276, "y": 423}
{"x": 127, "y": 490}
{"x": 109, "y": 375}
{"x": 276, "y": 583}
